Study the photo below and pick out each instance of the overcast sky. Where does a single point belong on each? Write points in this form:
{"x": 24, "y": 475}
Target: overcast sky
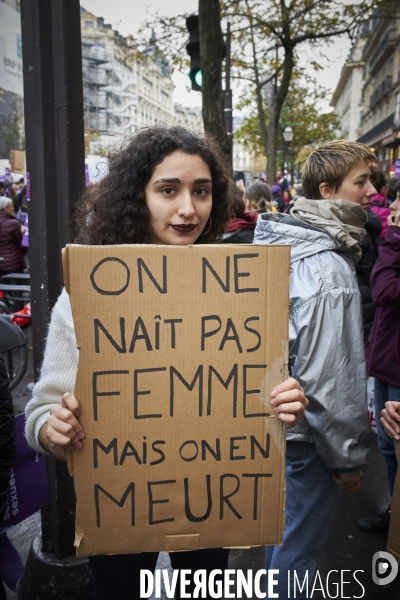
{"x": 128, "y": 15}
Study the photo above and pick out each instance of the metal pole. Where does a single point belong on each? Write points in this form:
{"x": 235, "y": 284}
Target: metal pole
{"x": 228, "y": 96}
{"x": 53, "y": 98}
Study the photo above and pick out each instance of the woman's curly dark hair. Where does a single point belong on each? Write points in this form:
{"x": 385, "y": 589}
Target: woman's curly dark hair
{"x": 115, "y": 210}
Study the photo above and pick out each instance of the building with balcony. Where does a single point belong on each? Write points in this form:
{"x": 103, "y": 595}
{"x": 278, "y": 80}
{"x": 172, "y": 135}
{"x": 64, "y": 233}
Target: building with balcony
{"x": 380, "y": 118}
{"x": 191, "y": 118}
{"x": 124, "y": 89}
{"x": 347, "y": 99}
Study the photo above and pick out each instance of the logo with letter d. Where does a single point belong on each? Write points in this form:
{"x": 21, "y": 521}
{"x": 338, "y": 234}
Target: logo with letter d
{"x": 384, "y": 568}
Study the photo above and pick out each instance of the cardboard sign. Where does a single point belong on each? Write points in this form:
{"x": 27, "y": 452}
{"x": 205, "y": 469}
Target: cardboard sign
{"x": 180, "y": 348}
{"x": 17, "y": 160}
{"x": 393, "y": 543}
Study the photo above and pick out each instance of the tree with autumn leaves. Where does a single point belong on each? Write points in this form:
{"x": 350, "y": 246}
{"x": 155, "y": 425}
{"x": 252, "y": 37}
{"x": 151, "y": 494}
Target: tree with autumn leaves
{"x": 268, "y": 38}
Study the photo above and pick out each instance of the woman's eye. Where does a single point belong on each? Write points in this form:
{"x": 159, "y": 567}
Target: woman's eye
{"x": 167, "y": 191}
{"x": 201, "y": 192}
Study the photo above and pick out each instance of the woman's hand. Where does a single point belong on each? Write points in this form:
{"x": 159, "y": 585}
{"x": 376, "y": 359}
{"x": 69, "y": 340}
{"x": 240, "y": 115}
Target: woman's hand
{"x": 62, "y": 432}
{"x": 350, "y": 482}
{"x": 289, "y": 401}
{"x": 394, "y": 218}
{"x": 391, "y": 419}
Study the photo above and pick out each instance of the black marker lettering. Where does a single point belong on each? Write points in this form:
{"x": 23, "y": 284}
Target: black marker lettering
{"x": 110, "y": 292}
{"x": 224, "y": 498}
{"x": 142, "y": 266}
{"x": 137, "y": 393}
{"x": 152, "y": 502}
{"x": 230, "y": 326}
{"x": 97, "y": 394}
{"x": 225, "y": 286}
{"x": 121, "y": 348}
{"x": 129, "y": 490}
{"x": 233, "y": 374}
{"x": 197, "y": 376}
{"x": 189, "y": 515}
{"x": 142, "y": 336}
{"x": 256, "y": 478}
{"x": 238, "y": 274}
{"x": 106, "y": 449}
{"x": 256, "y": 333}
{"x": 247, "y": 392}
{"x": 233, "y": 447}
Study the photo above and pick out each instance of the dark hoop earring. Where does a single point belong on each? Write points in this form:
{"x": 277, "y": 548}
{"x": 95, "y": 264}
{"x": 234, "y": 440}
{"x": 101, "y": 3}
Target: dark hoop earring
{"x": 205, "y": 232}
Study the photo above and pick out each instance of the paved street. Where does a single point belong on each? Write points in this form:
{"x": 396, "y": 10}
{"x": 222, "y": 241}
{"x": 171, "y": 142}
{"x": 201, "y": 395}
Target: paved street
{"x": 347, "y": 548}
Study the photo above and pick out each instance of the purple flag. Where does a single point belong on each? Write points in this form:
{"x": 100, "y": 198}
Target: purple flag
{"x": 29, "y": 489}
{"x": 28, "y": 186}
{"x": 25, "y": 237}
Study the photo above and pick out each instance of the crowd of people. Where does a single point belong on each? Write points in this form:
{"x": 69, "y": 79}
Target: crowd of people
{"x": 170, "y": 186}
{"x": 13, "y": 212}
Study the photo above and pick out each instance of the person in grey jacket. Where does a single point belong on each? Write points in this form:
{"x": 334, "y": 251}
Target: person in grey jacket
{"x": 326, "y": 449}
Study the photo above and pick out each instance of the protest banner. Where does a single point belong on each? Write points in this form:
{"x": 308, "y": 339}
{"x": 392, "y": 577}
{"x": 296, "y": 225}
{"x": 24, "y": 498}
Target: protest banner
{"x": 180, "y": 348}
{"x": 17, "y": 161}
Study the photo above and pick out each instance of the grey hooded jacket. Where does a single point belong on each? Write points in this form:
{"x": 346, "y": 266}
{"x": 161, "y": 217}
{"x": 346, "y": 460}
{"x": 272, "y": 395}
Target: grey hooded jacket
{"x": 326, "y": 353}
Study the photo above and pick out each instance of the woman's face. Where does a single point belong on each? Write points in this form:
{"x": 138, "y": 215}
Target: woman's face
{"x": 179, "y": 198}
{"x": 356, "y": 187}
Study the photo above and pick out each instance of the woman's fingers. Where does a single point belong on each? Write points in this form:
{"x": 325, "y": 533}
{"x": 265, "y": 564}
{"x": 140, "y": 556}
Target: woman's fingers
{"x": 391, "y": 419}
{"x": 289, "y": 401}
{"x": 290, "y": 413}
{"x": 63, "y": 432}
{"x": 287, "y": 385}
{"x": 62, "y": 420}
{"x": 71, "y": 402}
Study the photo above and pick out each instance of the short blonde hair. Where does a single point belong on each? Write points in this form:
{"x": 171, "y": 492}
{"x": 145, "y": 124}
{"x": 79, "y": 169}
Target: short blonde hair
{"x": 330, "y": 163}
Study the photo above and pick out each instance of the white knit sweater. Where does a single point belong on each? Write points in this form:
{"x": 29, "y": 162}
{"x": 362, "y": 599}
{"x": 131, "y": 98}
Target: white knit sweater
{"x": 58, "y": 372}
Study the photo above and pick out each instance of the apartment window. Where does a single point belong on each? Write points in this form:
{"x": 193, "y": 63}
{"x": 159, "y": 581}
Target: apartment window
{"x": 89, "y": 24}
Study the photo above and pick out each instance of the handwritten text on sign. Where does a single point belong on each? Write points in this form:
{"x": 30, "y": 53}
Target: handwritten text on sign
{"x": 179, "y": 350}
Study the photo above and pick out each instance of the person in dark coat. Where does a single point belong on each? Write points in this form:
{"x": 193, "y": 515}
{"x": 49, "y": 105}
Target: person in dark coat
{"x": 383, "y": 358}
{"x": 370, "y": 250}
{"x": 241, "y": 229}
{"x": 8, "y": 446}
{"x": 10, "y": 239}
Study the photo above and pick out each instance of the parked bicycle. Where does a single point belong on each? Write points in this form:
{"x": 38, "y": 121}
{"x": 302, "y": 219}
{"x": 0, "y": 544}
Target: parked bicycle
{"x": 13, "y": 349}
{"x": 13, "y": 343}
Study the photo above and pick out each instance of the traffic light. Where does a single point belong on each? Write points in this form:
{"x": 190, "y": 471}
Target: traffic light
{"x": 193, "y": 49}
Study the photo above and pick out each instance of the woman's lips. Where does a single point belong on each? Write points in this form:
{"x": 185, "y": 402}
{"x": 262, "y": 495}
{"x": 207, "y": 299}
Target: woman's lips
{"x": 184, "y": 228}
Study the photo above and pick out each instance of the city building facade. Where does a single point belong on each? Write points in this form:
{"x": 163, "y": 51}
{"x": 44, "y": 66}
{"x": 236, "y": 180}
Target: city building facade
{"x": 11, "y": 78}
{"x": 381, "y": 91}
{"x": 124, "y": 89}
{"x": 347, "y": 99}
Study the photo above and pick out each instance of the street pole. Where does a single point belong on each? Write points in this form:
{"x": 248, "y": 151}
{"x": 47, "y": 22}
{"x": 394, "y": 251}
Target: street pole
{"x": 55, "y": 158}
{"x": 228, "y": 96}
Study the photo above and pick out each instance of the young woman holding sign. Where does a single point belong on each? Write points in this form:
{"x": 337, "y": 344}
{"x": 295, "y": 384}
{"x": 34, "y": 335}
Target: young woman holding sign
{"x": 167, "y": 186}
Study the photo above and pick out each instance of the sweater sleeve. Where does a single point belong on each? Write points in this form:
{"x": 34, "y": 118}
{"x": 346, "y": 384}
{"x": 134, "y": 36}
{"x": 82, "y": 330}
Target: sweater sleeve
{"x": 385, "y": 279}
{"x": 58, "y": 372}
